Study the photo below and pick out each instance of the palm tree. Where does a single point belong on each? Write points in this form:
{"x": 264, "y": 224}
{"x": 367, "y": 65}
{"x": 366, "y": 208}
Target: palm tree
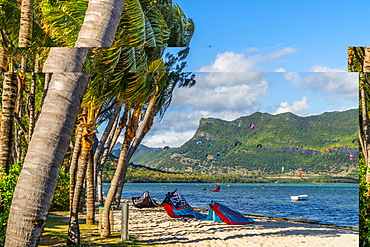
{"x": 7, "y": 122}
{"x": 26, "y": 21}
{"x": 36, "y": 184}
{"x": 149, "y": 94}
{"x": 87, "y": 142}
{"x": 53, "y": 130}
{"x": 359, "y": 61}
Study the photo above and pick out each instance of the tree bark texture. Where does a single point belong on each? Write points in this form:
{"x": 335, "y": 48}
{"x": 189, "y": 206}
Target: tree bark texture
{"x": 74, "y": 229}
{"x": 73, "y": 164}
{"x": 3, "y": 59}
{"x": 100, "y": 23}
{"x": 7, "y": 123}
{"x": 26, "y": 22}
{"x": 90, "y": 192}
{"x": 365, "y": 137}
{"x": 103, "y": 160}
{"x": 144, "y": 128}
{"x": 366, "y": 63}
{"x": 129, "y": 135}
{"x": 36, "y": 184}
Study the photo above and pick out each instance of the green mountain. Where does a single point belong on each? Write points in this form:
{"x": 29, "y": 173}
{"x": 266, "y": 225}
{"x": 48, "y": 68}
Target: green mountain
{"x": 116, "y": 149}
{"x": 320, "y": 144}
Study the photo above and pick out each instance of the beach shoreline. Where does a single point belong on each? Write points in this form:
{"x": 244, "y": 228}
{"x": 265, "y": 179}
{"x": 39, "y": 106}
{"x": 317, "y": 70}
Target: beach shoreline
{"x": 154, "y": 227}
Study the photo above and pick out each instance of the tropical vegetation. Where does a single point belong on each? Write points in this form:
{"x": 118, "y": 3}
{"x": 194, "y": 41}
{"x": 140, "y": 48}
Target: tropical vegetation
{"x": 49, "y": 121}
{"x": 359, "y": 61}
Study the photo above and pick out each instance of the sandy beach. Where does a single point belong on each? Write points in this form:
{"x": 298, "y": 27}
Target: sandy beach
{"x": 154, "y": 227}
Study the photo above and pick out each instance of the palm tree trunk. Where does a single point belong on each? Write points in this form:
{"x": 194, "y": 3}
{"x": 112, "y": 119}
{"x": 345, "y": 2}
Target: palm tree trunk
{"x": 26, "y": 21}
{"x": 7, "y": 123}
{"x": 74, "y": 229}
{"x": 36, "y": 184}
{"x": 31, "y": 104}
{"x": 144, "y": 128}
{"x": 365, "y": 140}
{"x": 73, "y": 164}
{"x": 20, "y": 132}
{"x": 105, "y": 135}
{"x": 129, "y": 135}
{"x": 366, "y": 62}
{"x": 103, "y": 140}
{"x": 92, "y": 34}
{"x": 90, "y": 192}
{"x": 3, "y": 58}
{"x": 103, "y": 160}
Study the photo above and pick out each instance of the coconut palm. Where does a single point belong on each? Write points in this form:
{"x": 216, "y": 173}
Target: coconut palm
{"x": 87, "y": 142}
{"x": 18, "y": 22}
{"x": 7, "y": 122}
{"x": 158, "y": 83}
{"x": 26, "y": 21}
{"x": 53, "y": 130}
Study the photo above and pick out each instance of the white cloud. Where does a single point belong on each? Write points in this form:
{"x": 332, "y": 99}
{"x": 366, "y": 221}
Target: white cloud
{"x": 320, "y": 68}
{"x": 172, "y": 139}
{"x": 218, "y": 95}
{"x": 234, "y": 93}
{"x": 237, "y": 62}
{"x": 331, "y": 85}
{"x": 280, "y": 70}
{"x": 227, "y": 89}
{"x": 298, "y": 107}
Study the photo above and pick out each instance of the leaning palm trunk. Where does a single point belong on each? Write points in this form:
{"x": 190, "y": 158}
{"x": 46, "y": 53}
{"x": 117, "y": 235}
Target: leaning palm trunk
{"x": 121, "y": 126}
{"x": 87, "y": 142}
{"x": 98, "y": 152}
{"x": 125, "y": 155}
{"x": 103, "y": 160}
{"x": 105, "y": 135}
{"x": 74, "y": 230}
{"x": 145, "y": 127}
{"x": 73, "y": 163}
{"x": 7, "y": 123}
{"x": 129, "y": 135}
{"x": 103, "y": 139}
{"x": 36, "y": 184}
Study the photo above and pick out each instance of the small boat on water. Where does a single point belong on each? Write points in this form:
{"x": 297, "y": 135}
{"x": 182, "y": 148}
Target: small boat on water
{"x": 299, "y": 198}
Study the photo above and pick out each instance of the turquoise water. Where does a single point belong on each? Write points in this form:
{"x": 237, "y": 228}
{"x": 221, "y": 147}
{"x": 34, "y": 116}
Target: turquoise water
{"x": 335, "y": 204}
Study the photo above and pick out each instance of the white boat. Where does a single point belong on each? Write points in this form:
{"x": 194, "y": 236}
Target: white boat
{"x": 299, "y": 198}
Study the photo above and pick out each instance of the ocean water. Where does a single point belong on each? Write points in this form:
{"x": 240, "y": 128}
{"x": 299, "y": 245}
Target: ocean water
{"x": 335, "y": 204}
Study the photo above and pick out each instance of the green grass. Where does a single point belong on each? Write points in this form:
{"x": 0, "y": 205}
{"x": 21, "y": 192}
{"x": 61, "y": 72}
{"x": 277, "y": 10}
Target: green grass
{"x": 55, "y": 234}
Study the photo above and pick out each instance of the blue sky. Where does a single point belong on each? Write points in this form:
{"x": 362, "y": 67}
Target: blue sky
{"x": 267, "y": 56}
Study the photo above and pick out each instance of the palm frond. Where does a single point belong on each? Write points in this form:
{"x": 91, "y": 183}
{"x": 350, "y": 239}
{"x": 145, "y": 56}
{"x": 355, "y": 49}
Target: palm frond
{"x": 62, "y": 20}
{"x": 131, "y": 30}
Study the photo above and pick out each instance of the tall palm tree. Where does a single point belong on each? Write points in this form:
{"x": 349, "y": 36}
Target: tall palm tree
{"x": 87, "y": 142}
{"x": 7, "y": 122}
{"x": 26, "y": 21}
{"x": 53, "y": 130}
{"x": 148, "y": 94}
{"x": 36, "y": 184}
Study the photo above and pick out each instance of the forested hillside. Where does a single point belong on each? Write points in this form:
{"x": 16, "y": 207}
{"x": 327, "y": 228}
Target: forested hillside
{"x": 282, "y": 144}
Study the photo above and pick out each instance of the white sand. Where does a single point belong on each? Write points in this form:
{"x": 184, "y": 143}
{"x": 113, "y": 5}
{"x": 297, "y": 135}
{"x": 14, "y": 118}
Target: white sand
{"x": 154, "y": 227}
